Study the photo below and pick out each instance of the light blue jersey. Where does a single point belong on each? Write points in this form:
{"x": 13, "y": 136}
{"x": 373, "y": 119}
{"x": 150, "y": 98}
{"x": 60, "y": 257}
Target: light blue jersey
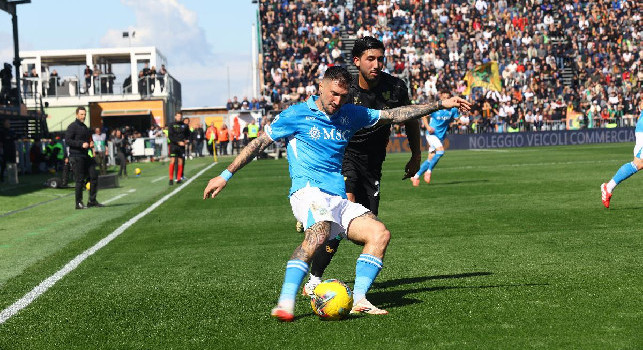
{"x": 639, "y": 124}
{"x": 441, "y": 120}
{"x": 316, "y": 142}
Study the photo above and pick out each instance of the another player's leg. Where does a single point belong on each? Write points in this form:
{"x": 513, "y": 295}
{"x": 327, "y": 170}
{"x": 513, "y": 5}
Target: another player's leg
{"x": 624, "y": 172}
{"x": 296, "y": 269}
{"x": 179, "y": 174}
{"x": 172, "y": 161}
{"x": 423, "y": 168}
{"x": 320, "y": 261}
{"x": 432, "y": 163}
{"x": 372, "y": 233}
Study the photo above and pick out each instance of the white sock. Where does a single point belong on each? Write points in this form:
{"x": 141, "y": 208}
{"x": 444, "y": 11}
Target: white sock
{"x": 313, "y": 280}
{"x": 287, "y": 304}
{"x": 610, "y": 186}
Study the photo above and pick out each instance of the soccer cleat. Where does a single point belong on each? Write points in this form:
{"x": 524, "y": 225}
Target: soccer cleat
{"x": 171, "y": 182}
{"x": 95, "y": 205}
{"x": 299, "y": 227}
{"x": 282, "y": 314}
{"x": 80, "y": 205}
{"x": 179, "y": 181}
{"x": 415, "y": 181}
{"x": 605, "y": 195}
{"x": 309, "y": 288}
{"x": 427, "y": 177}
{"x": 365, "y": 307}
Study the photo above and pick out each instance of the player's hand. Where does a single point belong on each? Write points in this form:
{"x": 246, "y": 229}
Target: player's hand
{"x": 181, "y": 143}
{"x": 85, "y": 145}
{"x": 215, "y": 185}
{"x": 430, "y": 130}
{"x": 462, "y": 104}
{"x": 413, "y": 166}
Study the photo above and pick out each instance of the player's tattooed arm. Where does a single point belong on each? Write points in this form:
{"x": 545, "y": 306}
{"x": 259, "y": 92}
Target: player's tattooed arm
{"x": 315, "y": 236}
{"x": 249, "y": 152}
{"x": 405, "y": 113}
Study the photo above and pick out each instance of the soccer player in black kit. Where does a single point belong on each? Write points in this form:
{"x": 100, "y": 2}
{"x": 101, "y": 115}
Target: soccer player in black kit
{"x": 178, "y": 133}
{"x": 366, "y": 151}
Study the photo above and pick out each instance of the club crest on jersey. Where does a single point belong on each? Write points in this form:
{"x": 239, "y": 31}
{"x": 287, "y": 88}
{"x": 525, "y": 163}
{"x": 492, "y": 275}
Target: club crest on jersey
{"x": 314, "y": 133}
{"x": 386, "y": 95}
{"x": 344, "y": 120}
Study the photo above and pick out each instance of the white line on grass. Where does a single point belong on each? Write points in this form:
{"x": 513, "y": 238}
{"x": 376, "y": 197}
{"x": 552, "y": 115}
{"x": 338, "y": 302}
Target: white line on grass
{"x": 119, "y": 196}
{"x": 73, "y": 264}
{"x": 158, "y": 179}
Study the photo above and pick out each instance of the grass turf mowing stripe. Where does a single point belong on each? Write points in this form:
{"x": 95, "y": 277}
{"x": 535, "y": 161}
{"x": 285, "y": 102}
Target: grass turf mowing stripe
{"x": 73, "y": 264}
{"x": 34, "y": 205}
{"x": 119, "y": 196}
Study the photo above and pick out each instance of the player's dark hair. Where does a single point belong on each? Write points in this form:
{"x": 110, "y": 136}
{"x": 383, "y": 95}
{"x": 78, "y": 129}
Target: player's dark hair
{"x": 339, "y": 74}
{"x": 366, "y": 43}
{"x": 80, "y": 108}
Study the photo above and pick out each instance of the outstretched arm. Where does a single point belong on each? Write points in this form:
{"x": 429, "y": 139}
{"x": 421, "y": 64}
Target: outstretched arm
{"x": 216, "y": 184}
{"x": 405, "y": 113}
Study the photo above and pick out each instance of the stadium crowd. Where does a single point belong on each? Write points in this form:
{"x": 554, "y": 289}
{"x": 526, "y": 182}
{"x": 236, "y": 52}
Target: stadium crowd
{"x": 578, "y": 59}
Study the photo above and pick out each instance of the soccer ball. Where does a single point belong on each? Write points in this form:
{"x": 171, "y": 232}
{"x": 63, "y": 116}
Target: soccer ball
{"x": 332, "y": 300}
{"x": 137, "y": 171}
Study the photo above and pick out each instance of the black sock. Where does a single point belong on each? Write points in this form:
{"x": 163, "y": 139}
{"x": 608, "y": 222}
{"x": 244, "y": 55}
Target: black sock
{"x": 323, "y": 255}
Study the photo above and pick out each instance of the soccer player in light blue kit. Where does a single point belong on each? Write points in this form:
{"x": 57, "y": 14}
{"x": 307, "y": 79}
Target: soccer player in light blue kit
{"x": 628, "y": 169}
{"x": 318, "y": 132}
{"x": 436, "y": 131}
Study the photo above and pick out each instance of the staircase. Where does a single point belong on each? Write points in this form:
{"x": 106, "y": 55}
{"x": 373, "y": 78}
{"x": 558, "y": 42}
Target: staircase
{"x": 348, "y": 41}
{"x": 568, "y": 75}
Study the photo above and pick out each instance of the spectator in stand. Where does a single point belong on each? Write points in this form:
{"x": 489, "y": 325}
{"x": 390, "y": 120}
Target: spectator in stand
{"x": 245, "y": 104}
{"x": 236, "y": 105}
{"x": 228, "y": 105}
{"x": 161, "y": 76}
{"x": 534, "y": 43}
{"x": 88, "y": 78}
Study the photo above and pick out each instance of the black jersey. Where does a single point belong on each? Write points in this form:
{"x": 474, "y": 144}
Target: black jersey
{"x": 390, "y": 92}
{"x": 178, "y": 132}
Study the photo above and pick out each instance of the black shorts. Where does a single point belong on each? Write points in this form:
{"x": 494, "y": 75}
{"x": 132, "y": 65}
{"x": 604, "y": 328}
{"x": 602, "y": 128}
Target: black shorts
{"x": 177, "y": 151}
{"x": 362, "y": 175}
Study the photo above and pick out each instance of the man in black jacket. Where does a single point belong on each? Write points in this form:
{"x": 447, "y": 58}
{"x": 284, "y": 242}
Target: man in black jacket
{"x": 78, "y": 139}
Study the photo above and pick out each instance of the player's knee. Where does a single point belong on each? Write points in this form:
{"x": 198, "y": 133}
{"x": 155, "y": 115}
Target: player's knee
{"x": 380, "y": 235}
{"x": 638, "y": 162}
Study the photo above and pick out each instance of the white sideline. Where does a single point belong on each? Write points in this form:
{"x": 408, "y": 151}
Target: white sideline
{"x": 73, "y": 264}
{"x": 119, "y": 196}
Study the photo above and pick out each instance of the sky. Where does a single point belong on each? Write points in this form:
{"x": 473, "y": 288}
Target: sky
{"x": 201, "y": 39}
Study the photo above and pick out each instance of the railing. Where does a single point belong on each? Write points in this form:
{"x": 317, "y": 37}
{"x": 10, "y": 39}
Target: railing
{"x": 101, "y": 85}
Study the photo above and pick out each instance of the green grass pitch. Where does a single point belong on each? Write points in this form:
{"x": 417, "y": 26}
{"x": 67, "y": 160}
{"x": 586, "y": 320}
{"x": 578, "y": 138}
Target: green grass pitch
{"x": 505, "y": 249}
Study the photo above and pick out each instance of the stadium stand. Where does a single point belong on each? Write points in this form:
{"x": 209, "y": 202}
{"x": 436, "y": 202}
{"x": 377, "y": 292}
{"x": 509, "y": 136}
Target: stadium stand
{"x": 572, "y": 64}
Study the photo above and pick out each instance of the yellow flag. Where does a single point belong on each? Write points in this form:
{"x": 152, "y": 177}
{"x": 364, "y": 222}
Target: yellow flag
{"x": 484, "y": 75}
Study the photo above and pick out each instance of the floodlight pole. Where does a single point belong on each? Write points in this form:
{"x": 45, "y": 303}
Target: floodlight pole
{"x": 10, "y": 7}
{"x": 16, "y": 49}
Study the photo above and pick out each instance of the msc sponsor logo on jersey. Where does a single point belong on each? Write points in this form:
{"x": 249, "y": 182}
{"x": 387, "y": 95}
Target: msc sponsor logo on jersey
{"x": 328, "y": 134}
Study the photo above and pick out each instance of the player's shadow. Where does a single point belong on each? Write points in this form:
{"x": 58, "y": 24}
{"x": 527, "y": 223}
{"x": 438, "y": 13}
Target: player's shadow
{"x": 398, "y": 298}
{"x": 457, "y": 182}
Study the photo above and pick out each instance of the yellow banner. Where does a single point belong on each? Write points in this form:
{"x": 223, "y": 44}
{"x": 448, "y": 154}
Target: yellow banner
{"x": 484, "y": 75}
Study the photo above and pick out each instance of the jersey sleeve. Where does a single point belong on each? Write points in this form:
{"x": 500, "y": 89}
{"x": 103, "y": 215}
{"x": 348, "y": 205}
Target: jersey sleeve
{"x": 363, "y": 117}
{"x": 282, "y": 126}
